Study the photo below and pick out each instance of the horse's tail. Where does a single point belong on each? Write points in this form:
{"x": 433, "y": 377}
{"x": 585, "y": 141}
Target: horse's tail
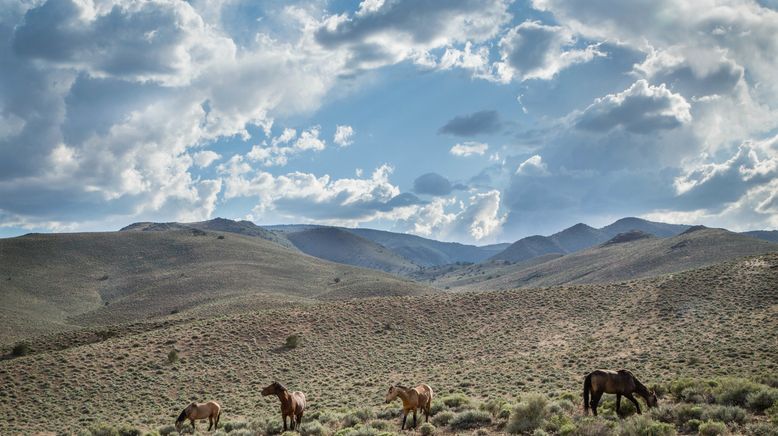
{"x": 586, "y": 389}
{"x": 218, "y": 415}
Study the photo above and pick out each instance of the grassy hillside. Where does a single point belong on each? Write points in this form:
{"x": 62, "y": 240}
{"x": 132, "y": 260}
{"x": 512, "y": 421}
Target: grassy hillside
{"x": 56, "y": 282}
{"x": 338, "y": 245}
{"x": 636, "y": 258}
{"x": 246, "y": 228}
{"x": 715, "y": 321}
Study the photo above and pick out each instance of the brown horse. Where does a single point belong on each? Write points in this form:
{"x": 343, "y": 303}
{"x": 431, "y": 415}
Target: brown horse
{"x": 621, "y": 382}
{"x": 195, "y": 411}
{"x": 292, "y": 403}
{"x": 419, "y": 397}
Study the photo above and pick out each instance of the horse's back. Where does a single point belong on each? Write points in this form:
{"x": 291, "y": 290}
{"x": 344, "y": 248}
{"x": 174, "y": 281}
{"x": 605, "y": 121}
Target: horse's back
{"x": 612, "y": 382}
{"x": 299, "y": 398}
{"x": 425, "y": 391}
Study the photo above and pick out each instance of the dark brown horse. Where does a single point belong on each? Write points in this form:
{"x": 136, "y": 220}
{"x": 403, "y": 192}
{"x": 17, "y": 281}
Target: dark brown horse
{"x": 419, "y": 398}
{"x": 292, "y": 403}
{"x": 195, "y": 411}
{"x": 621, "y": 382}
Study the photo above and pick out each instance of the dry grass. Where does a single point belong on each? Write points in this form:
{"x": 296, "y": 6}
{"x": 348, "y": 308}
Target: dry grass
{"x": 60, "y": 282}
{"x": 716, "y": 321}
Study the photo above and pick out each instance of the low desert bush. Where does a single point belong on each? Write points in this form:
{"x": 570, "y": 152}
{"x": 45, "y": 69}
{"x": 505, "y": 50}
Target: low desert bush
{"x": 456, "y": 401}
{"x": 427, "y": 429}
{"x": 712, "y": 428}
{"x": 442, "y": 419}
{"x": 641, "y": 425}
{"x": 313, "y": 428}
{"x": 528, "y": 414}
{"x": 292, "y": 341}
{"x": 470, "y": 419}
{"x": 762, "y": 399}
{"x": 20, "y": 349}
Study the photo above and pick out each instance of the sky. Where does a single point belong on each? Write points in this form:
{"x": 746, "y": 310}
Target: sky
{"x": 477, "y": 121}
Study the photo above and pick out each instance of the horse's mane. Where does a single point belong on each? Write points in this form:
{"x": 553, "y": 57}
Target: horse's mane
{"x": 182, "y": 416}
{"x": 400, "y": 386}
{"x": 280, "y": 386}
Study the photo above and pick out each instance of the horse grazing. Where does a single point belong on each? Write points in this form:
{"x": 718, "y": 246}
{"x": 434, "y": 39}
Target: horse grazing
{"x": 621, "y": 382}
{"x": 292, "y": 403}
{"x": 195, "y": 411}
{"x": 419, "y": 397}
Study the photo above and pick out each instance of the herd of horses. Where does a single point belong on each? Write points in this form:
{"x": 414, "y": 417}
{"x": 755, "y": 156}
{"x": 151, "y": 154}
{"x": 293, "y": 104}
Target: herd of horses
{"x": 596, "y": 383}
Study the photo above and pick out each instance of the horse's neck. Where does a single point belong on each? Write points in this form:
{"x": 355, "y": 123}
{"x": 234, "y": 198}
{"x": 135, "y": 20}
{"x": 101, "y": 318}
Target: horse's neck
{"x": 284, "y": 396}
{"x": 641, "y": 389}
{"x": 405, "y": 395}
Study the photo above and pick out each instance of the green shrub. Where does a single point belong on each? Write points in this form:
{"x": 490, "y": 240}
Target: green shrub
{"x": 587, "y": 427}
{"x": 172, "y": 356}
{"x": 313, "y": 428}
{"x": 103, "y": 430}
{"x": 167, "y": 430}
{"x": 358, "y": 416}
{"x": 389, "y": 413}
{"x": 380, "y": 424}
{"x": 427, "y": 429}
{"x": 539, "y": 432}
{"x": 129, "y": 431}
{"x": 442, "y": 419}
{"x": 555, "y": 423}
{"x": 640, "y": 425}
{"x": 231, "y": 426}
{"x": 292, "y": 341}
{"x": 456, "y": 401}
{"x": 437, "y": 407}
{"x": 691, "y": 426}
{"x": 528, "y": 414}
{"x": 761, "y": 429}
{"x": 734, "y": 391}
{"x": 493, "y": 406}
{"x": 470, "y": 419}
{"x": 272, "y": 426}
{"x": 21, "y": 349}
{"x": 762, "y": 399}
{"x": 712, "y": 428}
{"x": 726, "y": 414}
{"x": 325, "y": 416}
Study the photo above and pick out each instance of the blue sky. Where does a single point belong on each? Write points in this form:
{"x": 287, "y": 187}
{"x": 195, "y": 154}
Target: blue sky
{"x": 472, "y": 121}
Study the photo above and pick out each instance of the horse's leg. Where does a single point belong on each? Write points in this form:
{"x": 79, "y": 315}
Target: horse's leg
{"x": 414, "y": 418}
{"x": 193, "y": 425}
{"x": 299, "y": 419}
{"x": 427, "y": 413}
{"x": 284, "y": 418}
{"x": 618, "y": 404}
{"x": 210, "y": 422}
{"x": 634, "y": 401}
{"x": 405, "y": 416}
{"x": 595, "y": 401}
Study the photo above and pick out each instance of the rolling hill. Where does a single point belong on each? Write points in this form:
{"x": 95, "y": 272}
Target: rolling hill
{"x": 246, "y": 228}
{"x": 626, "y": 256}
{"x": 498, "y": 346}
{"x": 56, "y": 282}
{"x": 339, "y": 245}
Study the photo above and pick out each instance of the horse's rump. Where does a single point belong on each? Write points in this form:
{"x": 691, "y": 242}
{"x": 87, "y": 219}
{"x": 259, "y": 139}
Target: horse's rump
{"x": 299, "y": 399}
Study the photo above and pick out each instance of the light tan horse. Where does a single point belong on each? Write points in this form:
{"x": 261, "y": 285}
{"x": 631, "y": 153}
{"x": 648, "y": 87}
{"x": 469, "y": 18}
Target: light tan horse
{"x": 419, "y": 397}
{"x": 621, "y": 382}
{"x": 195, "y": 411}
{"x": 292, "y": 403}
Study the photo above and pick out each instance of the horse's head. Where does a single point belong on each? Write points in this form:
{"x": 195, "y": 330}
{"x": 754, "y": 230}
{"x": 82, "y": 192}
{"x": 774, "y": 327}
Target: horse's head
{"x": 273, "y": 389}
{"x": 392, "y": 394}
{"x": 652, "y": 400}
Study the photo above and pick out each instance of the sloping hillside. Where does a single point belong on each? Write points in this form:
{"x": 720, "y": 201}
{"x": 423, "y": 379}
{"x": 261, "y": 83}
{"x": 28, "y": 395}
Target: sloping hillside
{"x": 765, "y": 235}
{"x": 428, "y": 252}
{"x": 716, "y": 321}
{"x": 338, "y": 245}
{"x": 641, "y": 257}
{"x": 528, "y": 248}
{"x": 578, "y": 237}
{"x": 246, "y": 228}
{"x": 60, "y": 281}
